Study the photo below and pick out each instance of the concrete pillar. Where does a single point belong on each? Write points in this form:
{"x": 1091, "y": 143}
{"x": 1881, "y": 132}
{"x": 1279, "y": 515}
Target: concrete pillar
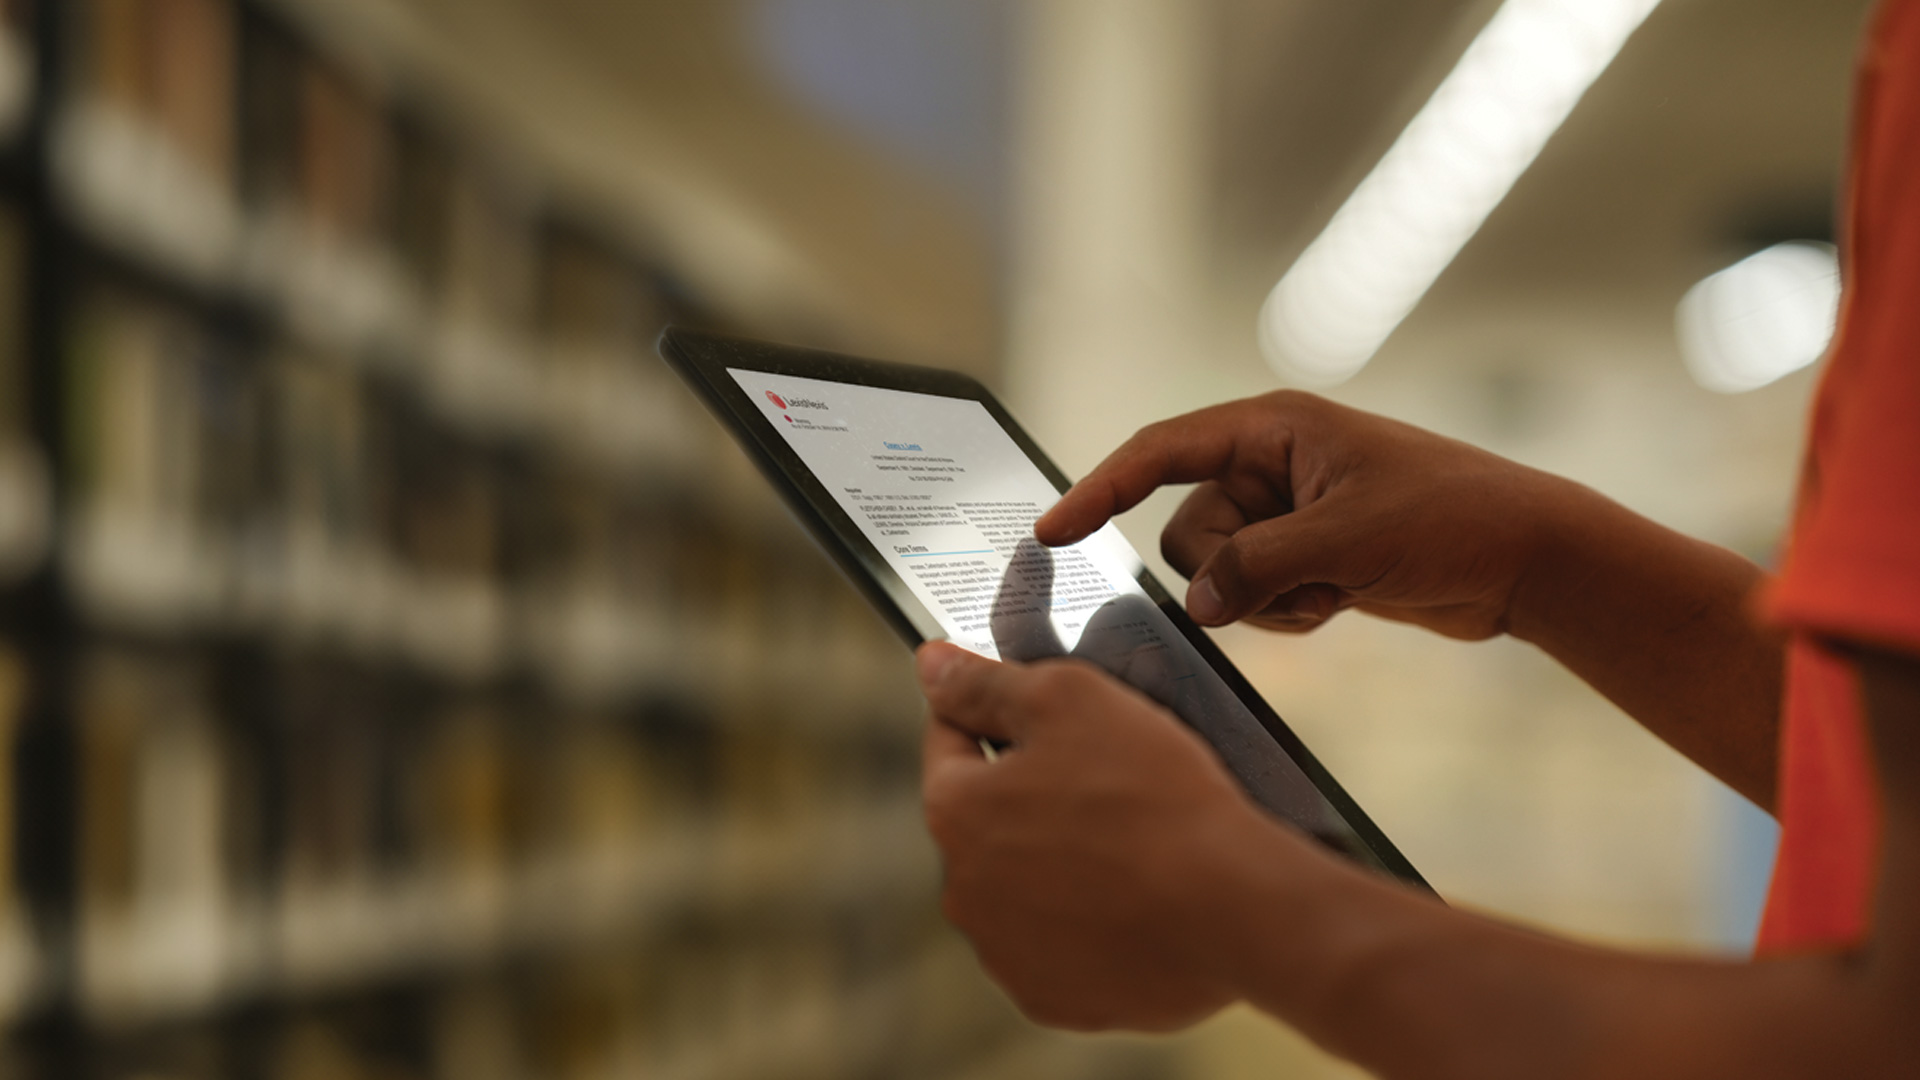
{"x": 1109, "y": 189}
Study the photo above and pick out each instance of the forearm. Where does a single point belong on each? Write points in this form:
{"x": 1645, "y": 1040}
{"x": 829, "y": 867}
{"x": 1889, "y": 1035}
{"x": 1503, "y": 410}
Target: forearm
{"x": 1413, "y": 990}
{"x": 1662, "y": 625}
{"x": 1305, "y": 507}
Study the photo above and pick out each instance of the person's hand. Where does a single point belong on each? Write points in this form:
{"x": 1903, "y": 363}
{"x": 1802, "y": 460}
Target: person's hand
{"x": 1306, "y": 507}
{"x": 1088, "y": 862}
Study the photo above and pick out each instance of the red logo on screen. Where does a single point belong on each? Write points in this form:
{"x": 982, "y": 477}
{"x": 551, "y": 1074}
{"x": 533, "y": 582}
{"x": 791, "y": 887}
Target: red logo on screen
{"x": 778, "y": 401}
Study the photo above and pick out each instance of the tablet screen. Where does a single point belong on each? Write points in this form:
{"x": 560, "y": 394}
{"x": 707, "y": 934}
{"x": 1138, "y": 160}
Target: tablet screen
{"x": 948, "y": 499}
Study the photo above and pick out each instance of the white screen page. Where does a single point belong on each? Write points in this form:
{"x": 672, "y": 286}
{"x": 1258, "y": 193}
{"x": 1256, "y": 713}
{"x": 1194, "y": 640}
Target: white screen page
{"x": 949, "y": 499}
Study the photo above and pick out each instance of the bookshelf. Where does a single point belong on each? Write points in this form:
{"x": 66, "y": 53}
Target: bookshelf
{"x": 399, "y": 675}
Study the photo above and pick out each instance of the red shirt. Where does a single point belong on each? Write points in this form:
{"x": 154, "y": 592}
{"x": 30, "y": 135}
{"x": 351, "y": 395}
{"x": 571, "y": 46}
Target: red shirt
{"x": 1852, "y": 570}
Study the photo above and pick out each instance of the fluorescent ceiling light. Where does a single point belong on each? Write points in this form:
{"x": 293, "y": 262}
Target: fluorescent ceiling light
{"x": 1761, "y": 318}
{"x": 1436, "y": 185}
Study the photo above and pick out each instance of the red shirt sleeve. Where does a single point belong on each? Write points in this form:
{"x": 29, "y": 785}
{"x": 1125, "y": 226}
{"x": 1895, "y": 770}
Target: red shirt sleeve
{"x": 1852, "y": 568}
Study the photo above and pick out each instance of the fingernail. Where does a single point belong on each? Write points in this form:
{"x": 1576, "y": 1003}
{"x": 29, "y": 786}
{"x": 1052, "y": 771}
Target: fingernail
{"x": 934, "y": 660}
{"x": 1204, "y": 603}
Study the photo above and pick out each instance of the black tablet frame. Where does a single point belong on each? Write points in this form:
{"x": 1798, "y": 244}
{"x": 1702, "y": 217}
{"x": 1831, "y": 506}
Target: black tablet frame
{"x": 702, "y": 359}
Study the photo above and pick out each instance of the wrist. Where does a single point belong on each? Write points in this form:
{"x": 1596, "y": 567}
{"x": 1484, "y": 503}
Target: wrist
{"x": 1568, "y": 523}
{"x": 1264, "y": 892}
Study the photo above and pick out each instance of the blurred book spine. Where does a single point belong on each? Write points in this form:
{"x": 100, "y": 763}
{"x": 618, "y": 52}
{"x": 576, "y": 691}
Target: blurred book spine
{"x": 19, "y": 955}
{"x": 26, "y": 496}
{"x": 142, "y": 150}
{"x": 19, "y": 68}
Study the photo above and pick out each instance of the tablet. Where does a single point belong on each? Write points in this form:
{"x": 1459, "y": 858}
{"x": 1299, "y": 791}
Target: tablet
{"x": 923, "y": 489}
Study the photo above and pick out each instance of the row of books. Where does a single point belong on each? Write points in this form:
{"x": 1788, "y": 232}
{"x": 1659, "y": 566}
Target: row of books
{"x": 272, "y": 826}
{"x": 201, "y": 138}
{"x": 900, "y": 1001}
{"x": 354, "y": 881}
{"x": 217, "y": 484}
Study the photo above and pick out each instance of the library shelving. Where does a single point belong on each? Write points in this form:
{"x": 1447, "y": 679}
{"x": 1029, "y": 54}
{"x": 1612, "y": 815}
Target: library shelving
{"x": 399, "y": 675}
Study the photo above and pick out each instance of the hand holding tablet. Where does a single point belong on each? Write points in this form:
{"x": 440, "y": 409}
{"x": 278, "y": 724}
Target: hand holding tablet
{"x": 926, "y": 492}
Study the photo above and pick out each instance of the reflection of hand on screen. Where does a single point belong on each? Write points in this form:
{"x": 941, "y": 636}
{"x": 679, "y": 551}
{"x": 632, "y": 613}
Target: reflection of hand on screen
{"x": 1123, "y": 636}
{"x": 1134, "y": 641}
{"x": 1128, "y": 637}
{"x": 1021, "y": 620}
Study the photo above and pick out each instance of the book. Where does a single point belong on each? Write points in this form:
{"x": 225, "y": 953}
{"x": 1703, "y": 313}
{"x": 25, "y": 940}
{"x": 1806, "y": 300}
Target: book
{"x": 143, "y": 139}
{"x": 18, "y": 64}
{"x": 188, "y": 62}
{"x": 345, "y": 156}
{"x": 271, "y": 74}
{"x": 14, "y": 386}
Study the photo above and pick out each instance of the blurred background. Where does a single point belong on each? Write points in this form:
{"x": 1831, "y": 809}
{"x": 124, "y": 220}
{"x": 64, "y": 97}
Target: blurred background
{"x": 400, "y": 677}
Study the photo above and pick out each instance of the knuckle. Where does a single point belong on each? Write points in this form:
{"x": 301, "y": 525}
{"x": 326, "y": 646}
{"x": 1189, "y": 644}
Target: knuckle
{"x": 1298, "y": 400}
{"x": 1279, "y": 401}
{"x": 962, "y": 694}
{"x": 1153, "y": 433}
{"x": 1034, "y": 692}
{"x": 1058, "y": 686}
{"x": 1242, "y": 573}
{"x": 1244, "y": 579}
{"x": 950, "y": 819}
{"x": 1079, "y": 679}
{"x": 1229, "y": 570}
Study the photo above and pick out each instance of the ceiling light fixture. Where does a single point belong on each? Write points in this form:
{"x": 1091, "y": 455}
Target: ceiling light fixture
{"x": 1437, "y": 184}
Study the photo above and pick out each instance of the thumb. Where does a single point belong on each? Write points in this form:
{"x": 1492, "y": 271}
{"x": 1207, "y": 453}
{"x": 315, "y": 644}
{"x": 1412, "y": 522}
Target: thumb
{"x": 1267, "y": 560}
{"x": 970, "y": 692}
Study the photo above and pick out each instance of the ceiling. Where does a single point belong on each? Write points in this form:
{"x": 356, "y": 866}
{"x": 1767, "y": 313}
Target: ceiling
{"x": 825, "y": 158}
{"x": 1720, "y": 128}
{"x": 1306, "y": 95}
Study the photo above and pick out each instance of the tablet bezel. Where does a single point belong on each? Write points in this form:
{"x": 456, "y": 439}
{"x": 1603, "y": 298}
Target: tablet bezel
{"x": 703, "y": 360}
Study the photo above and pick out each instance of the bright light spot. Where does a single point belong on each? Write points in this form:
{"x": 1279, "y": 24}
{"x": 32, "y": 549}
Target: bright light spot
{"x": 1761, "y": 318}
{"x": 1436, "y": 185}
